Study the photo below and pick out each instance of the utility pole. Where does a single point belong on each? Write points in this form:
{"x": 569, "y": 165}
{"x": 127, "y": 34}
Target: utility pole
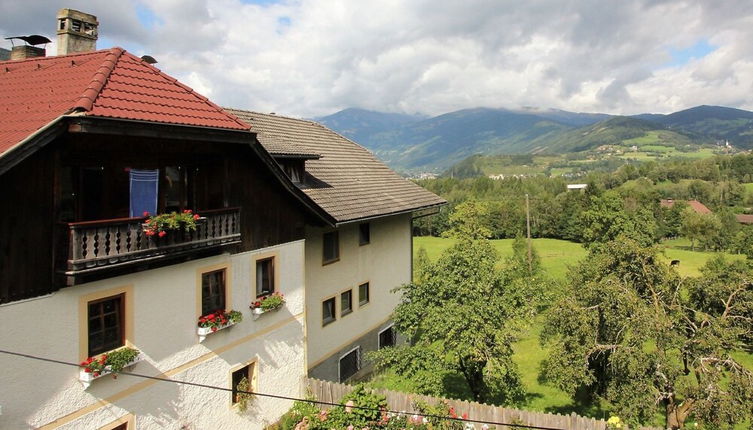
{"x": 528, "y": 226}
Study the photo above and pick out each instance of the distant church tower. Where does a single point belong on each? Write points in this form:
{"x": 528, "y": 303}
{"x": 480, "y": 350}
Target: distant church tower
{"x": 77, "y": 32}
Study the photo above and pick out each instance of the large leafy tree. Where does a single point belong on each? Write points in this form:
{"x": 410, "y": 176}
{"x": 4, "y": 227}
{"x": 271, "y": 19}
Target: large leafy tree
{"x": 633, "y": 332}
{"x": 461, "y": 316}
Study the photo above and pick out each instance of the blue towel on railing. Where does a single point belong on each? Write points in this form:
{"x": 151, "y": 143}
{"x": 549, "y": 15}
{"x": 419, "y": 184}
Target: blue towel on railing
{"x": 144, "y": 187}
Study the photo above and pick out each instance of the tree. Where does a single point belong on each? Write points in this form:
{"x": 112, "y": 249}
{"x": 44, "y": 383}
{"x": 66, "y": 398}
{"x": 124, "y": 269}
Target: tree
{"x": 469, "y": 221}
{"x": 461, "y": 318}
{"x": 606, "y": 218}
{"x": 699, "y": 227}
{"x": 630, "y": 331}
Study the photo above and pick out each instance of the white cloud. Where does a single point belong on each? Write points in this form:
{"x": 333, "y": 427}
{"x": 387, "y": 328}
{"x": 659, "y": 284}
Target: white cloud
{"x": 313, "y": 57}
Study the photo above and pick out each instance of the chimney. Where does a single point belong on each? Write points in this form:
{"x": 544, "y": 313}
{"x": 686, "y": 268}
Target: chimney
{"x": 23, "y": 52}
{"x": 77, "y": 32}
{"x": 28, "y": 49}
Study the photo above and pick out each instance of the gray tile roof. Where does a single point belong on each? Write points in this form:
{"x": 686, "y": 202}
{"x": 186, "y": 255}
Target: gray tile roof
{"x": 280, "y": 148}
{"x": 348, "y": 181}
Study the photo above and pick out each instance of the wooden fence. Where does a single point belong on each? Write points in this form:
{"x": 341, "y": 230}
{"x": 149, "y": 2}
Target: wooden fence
{"x": 396, "y": 401}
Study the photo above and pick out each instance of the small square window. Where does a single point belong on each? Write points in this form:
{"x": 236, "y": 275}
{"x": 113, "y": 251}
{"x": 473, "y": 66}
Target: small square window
{"x": 265, "y": 277}
{"x": 331, "y": 247}
{"x": 363, "y": 294}
{"x": 212, "y": 291}
{"x": 106, "y": 324}
{"x": 349, "y": 364}
{"x": 328, "y": 311}
{"x": 387, "y": 337}
{"x": 242, "y": 380}
{"x": 364, "y": 234}
{"x": 346, "y": 303}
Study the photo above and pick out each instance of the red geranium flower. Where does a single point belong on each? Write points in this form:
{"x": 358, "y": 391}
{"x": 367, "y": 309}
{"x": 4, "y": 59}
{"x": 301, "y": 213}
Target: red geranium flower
{"x": 162, "y": 234}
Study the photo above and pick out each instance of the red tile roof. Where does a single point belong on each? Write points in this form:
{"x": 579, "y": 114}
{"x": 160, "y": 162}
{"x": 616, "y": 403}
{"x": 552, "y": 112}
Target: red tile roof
{"x": 109, "y": 83}
{"x": 697, "y": 206}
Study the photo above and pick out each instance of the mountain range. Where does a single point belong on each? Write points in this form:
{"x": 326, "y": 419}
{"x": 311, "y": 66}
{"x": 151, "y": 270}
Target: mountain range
{"x": 419, "y": 143}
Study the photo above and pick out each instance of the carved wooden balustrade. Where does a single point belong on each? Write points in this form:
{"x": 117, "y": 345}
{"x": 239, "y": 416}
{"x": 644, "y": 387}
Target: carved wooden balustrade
{"x": 97, "y": 245}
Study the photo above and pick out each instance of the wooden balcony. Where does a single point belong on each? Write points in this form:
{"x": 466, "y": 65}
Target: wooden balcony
{"x": 97, "y": 247}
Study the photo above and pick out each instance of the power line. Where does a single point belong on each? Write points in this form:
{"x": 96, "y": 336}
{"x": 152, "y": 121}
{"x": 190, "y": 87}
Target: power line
{"x": 278, "y": 396}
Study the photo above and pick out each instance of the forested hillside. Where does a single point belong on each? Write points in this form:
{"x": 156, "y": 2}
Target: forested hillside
{"x": 414, "y": 144}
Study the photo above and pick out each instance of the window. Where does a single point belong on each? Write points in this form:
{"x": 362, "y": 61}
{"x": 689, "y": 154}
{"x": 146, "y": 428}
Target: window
{"x": 346, "y": 303}
{"x": 364, "y": 234}
{"x": 387, "y": 337}
{"x": 238, "y": 384}
{"x": 106, "y": 324}
{"x": 331, "y": 247}
{"x": 265, "y": 277}
{"x": 328, "y": 311}
{"x": 212, "y": 291}
{"x": 363, "y": 294}
{"x": 350, "y": 363}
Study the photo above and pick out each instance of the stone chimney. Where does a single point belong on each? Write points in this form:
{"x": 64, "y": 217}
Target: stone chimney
{"x": 28, "y": 50}
{"x": 23, "y": 52}
{"x": 77, "y": 32}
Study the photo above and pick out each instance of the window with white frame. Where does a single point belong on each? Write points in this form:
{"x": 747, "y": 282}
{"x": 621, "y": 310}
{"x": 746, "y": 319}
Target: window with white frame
{"x": 349, "y": 364}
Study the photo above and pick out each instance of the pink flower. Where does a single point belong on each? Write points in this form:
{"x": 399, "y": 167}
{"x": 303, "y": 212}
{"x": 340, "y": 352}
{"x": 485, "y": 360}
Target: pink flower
{"x": 196, "y": 216}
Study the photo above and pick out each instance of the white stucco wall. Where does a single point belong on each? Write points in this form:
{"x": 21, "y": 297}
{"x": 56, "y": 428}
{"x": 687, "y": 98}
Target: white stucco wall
{"x": 164, "y": 306}
{"x": 385, "y": 263}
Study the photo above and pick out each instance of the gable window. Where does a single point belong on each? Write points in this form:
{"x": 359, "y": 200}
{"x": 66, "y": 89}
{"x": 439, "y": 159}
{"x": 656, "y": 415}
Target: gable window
{"x": 330, "y": 248}
{"x": 242, "y": 380}
{"x": 364, "y": 234}
{"x": 328, "y": 311}
{"x": 363, "y": 294}
{"x": 349, "y": 364}
{"x": 265, "y": 277}
{"x": 212, "y": 291}
{"x": 106, "y": 324}
{"x": 387, "y": 337}
{"x": 346, "y": 303}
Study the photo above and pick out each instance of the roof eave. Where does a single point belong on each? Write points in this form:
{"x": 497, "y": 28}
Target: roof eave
{"x": 428, "y": 208}
{"x": 32, "y": 143}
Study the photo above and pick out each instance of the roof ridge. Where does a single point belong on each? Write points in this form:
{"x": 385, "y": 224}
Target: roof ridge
{"x": 86, "y": 100}
{"x": 273, "y": 115}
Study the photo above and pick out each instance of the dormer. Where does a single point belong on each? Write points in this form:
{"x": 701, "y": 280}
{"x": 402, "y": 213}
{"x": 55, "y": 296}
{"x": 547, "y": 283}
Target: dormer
{"x": 291, "y": 158}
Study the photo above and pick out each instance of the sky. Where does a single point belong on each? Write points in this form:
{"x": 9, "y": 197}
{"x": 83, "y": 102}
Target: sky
{"x": 311, "y": 58}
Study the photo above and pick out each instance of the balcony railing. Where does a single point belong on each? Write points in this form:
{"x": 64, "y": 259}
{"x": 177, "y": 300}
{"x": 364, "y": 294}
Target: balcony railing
{"x": 95, "y": 246}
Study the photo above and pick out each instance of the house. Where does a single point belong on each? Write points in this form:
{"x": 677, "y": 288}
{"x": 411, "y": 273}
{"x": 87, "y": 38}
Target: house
{"x": 88, "y": 142}
{"x": 351, "y": 267}
{"x": 579, "y": 187}
{"x": 744, "y": 219}
{"x": 695, "y": 205}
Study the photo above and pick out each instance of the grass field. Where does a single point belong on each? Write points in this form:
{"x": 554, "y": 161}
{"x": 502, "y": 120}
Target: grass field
{"x": 556, "y": 256}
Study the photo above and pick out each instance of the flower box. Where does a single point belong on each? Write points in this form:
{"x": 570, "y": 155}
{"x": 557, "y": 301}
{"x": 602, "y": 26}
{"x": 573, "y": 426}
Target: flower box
{"x": 203, "y": 332}
{"x": 86, "y": 378}
{"x": 216, "y": 321}
{"x": 266, "y": 304}
{"x": 257, "y": 312}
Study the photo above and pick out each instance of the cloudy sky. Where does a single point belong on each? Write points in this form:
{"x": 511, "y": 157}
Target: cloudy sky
{"x": 314, "y": 57}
